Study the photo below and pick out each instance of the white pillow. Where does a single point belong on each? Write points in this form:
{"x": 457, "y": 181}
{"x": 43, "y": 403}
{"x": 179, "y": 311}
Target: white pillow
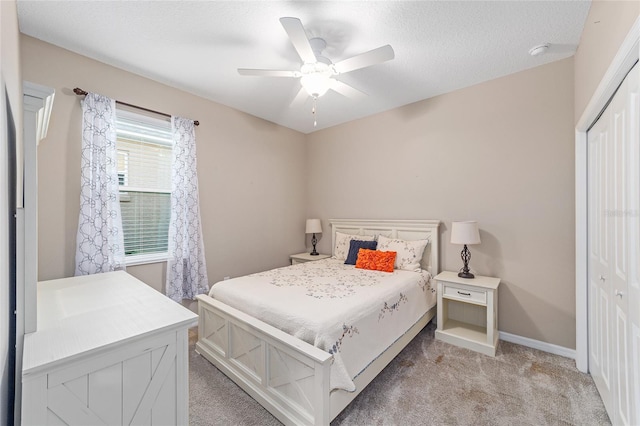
{"x": 343, "y": 241}
{"x": 409, "y": 253}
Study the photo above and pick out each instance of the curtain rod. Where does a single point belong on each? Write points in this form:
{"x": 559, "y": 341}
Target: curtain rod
{"x": 81, "y": 92}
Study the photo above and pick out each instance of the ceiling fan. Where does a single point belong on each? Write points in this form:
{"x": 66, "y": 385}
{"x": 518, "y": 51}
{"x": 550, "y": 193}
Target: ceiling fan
{"x": 317, "y": 72}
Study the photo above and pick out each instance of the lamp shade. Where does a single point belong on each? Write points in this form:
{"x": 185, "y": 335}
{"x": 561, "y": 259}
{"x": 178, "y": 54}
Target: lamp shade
{"x": 314, "y": 226}
{"x": 465, "y": 233}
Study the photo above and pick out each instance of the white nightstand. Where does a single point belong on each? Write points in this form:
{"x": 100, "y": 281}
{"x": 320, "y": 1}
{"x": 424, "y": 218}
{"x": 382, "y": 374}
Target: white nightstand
{"x": 306, "y": 257}
{"x": 468, "y": 312}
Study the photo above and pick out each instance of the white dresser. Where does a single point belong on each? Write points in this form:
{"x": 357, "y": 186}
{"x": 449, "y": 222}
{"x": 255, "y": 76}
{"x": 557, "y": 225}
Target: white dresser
{"x": 108, "y": 349}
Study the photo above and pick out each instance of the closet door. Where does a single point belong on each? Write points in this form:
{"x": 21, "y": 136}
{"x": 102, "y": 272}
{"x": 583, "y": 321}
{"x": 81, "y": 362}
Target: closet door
{"x": 600, "y": 339}
{"x": 614, "y": 256}
{"x": 619, "y": 272}
{"x": 633, "y": 298}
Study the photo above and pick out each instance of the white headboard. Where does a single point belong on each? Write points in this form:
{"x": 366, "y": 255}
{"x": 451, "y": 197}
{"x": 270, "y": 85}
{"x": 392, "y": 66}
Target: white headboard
{"x": 403, "y": 229}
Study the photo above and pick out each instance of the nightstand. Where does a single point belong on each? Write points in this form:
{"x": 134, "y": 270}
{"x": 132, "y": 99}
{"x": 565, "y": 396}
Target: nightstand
{"x": 306, "y": 257}
{"x": 468, "y": 312}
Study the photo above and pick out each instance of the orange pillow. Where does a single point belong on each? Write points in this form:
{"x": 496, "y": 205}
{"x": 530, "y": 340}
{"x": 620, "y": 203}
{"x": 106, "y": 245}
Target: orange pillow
{"x": 376, "y": 260}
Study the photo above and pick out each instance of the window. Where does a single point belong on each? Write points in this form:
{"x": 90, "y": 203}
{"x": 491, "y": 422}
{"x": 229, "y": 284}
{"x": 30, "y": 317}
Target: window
{"x": 144, "y": 174}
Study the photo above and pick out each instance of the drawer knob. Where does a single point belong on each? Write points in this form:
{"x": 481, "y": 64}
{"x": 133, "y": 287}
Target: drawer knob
{"x": 463, "y": 293}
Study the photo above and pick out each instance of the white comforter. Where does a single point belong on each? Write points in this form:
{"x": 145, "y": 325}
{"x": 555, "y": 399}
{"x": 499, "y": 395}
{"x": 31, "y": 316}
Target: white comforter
{"x": 351, "y": 313}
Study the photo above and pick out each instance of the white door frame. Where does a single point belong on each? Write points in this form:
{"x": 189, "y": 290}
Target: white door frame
{"x": 627, "y": 55}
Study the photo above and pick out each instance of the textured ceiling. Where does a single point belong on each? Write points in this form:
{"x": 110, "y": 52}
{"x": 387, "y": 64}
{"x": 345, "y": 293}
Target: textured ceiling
{"x": 197, "y": 46}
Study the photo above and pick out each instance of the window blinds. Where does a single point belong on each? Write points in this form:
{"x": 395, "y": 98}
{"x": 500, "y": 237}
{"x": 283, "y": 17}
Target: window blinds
{"x": 144, "y": 147}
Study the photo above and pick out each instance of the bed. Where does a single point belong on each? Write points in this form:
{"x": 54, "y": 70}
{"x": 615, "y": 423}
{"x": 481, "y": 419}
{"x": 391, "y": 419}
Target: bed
{"x": 310, "y": 372}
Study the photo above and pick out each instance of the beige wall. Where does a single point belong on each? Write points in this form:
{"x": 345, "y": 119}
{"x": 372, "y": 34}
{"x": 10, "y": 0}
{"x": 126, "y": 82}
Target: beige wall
{"x": 11, "y": 81}
{"x": 500, "y": 152}
{"x": 251, "y": 172}
{"x": 608, "y": 23}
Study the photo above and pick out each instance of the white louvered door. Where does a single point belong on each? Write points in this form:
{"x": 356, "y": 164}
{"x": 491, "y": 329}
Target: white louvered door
{"x": 613, "y": 226}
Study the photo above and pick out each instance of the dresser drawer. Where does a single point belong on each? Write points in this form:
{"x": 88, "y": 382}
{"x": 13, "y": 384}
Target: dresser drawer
{"x": 458, "y": 293}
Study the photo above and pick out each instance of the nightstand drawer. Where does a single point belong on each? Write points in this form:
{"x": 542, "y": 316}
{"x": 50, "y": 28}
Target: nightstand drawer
{"x": 451, "y": 292}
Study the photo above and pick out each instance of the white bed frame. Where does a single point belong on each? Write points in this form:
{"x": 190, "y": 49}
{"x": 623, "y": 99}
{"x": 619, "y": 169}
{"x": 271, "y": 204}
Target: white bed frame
{"x": 287, "y": 376}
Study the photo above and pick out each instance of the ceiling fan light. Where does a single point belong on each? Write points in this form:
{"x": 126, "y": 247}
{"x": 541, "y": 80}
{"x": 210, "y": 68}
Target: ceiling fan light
{"x": 315, "y": 84}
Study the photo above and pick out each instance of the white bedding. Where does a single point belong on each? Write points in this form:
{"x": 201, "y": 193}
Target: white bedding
{"x": 351, "y": 313}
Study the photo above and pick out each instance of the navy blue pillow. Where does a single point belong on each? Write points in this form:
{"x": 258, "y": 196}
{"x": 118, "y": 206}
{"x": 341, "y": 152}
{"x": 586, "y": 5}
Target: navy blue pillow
{"x": 355, "y": 246}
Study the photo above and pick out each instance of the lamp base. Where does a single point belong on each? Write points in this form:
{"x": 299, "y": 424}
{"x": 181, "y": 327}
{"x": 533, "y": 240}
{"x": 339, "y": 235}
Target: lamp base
{"x": 466, "y": 257}
{"x": 314, "y": 240}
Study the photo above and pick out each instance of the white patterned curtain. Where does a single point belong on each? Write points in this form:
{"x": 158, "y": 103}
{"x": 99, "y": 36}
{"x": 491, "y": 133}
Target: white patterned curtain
{"x": 186, "y": 268}
{"x": 100, "y": 245}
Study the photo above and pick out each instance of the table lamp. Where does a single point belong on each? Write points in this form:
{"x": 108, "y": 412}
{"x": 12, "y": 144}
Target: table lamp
{"x": 314, "y": 226}
{"x": 465, "y": 233}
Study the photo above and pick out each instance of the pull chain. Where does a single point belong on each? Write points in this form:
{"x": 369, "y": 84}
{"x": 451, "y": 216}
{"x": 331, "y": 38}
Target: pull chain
{"x": 313, "y": 111}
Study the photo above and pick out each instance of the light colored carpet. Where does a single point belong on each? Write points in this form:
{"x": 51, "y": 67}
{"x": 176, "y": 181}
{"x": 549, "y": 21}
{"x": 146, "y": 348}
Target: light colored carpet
{"x": 431, "y": 382}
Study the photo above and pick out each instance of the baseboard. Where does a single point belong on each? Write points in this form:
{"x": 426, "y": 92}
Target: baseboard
{"x": 537, "y": 344}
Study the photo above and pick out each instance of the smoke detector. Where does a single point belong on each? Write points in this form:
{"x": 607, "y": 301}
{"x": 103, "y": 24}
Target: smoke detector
{"x": 539, "y": 50}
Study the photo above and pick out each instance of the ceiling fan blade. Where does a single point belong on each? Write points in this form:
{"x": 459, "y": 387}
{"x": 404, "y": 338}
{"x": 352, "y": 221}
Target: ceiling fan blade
{"x": 268, "y": 73}
{"x": 372, "y": 57}
{"x": 300, "y": 98}
{"x": 295, "y": 30}
{"x": 346, "y": 90}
